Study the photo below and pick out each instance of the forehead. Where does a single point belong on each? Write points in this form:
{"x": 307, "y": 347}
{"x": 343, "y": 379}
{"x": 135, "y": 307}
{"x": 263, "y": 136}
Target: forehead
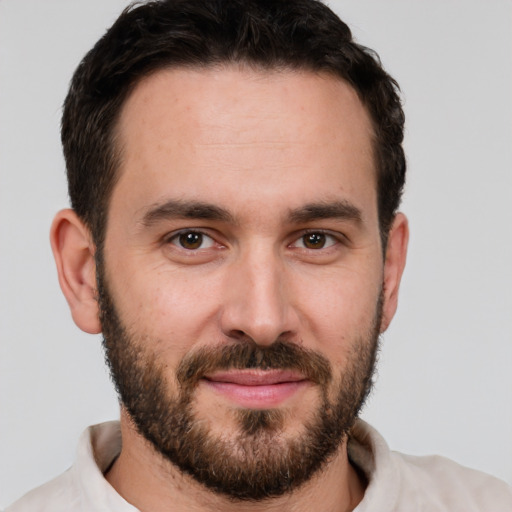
{"x": 209, "y": 132}
{"x": 244, "y": 96}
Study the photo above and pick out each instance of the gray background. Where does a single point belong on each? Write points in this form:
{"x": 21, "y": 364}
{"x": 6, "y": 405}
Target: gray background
{"x": 445, "y": 379}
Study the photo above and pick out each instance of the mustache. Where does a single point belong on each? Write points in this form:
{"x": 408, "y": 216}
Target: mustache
{"x": 282, "y": 355}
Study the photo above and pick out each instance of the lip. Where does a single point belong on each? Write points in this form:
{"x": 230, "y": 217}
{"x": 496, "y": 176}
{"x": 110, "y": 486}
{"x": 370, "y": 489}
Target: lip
{"x": 256, "y": 389}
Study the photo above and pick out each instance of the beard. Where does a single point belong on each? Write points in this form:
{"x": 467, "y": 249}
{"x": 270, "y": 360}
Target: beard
{"x": 259, "y": 461}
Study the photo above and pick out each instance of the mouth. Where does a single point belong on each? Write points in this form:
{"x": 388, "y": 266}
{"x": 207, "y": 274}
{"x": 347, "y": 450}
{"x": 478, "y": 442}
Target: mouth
{"x": 256, "y": 389}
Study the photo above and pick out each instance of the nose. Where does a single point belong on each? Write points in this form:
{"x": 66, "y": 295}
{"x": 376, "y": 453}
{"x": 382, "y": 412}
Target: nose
{"x": 256, "y": 302}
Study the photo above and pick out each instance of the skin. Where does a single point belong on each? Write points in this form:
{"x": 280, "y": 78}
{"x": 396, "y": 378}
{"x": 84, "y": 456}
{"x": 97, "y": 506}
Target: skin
{"x": 260, "y": 146}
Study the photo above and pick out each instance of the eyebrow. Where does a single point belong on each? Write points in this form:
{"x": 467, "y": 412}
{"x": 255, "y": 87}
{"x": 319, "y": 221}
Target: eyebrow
{"x": 343, "y": 210}
{"x": 178, "y": 209}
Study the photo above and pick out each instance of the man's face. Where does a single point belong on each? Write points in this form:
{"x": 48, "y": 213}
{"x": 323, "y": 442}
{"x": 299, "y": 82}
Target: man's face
{"x": 243, "y": 271}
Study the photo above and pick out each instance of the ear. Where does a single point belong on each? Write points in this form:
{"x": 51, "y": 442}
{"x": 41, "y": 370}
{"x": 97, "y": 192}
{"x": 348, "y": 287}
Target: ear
{"x": 73, "y": 251}
{"x": 394, "y": 264}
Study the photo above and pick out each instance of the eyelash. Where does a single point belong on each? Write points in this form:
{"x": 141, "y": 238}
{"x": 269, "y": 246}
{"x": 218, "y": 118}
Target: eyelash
{"x": 335, "y": 239}
{"x": 174, "y": 239}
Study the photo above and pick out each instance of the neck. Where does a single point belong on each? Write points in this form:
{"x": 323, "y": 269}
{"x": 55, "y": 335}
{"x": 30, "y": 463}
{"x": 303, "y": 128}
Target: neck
{"x": 151, "y": 483}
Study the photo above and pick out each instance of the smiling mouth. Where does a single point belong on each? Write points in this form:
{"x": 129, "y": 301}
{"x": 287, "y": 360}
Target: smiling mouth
{"x": 256, "y": 389}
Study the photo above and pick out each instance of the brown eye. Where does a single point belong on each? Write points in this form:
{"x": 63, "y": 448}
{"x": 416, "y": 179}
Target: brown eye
{"x": 192, "y": 240}
{"x": 314, "y": 240}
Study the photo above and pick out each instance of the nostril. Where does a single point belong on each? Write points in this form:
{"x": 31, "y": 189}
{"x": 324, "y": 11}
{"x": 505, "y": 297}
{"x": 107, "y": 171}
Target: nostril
{"x": 239, "y": 335}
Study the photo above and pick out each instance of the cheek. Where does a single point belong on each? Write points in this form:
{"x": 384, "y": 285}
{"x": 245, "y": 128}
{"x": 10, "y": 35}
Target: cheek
{"x": 339, "y": 311}
{"x": 161, "y": 304}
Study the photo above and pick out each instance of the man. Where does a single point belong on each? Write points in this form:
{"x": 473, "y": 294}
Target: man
{"x": 235, "y": 170}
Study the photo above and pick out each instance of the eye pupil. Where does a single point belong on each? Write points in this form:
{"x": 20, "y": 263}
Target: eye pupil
{"x": 191, "y": 240}
{"x": 314, "y": 240}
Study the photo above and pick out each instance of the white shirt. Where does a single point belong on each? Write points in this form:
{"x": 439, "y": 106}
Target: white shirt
{"x": 397, "y": 482}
